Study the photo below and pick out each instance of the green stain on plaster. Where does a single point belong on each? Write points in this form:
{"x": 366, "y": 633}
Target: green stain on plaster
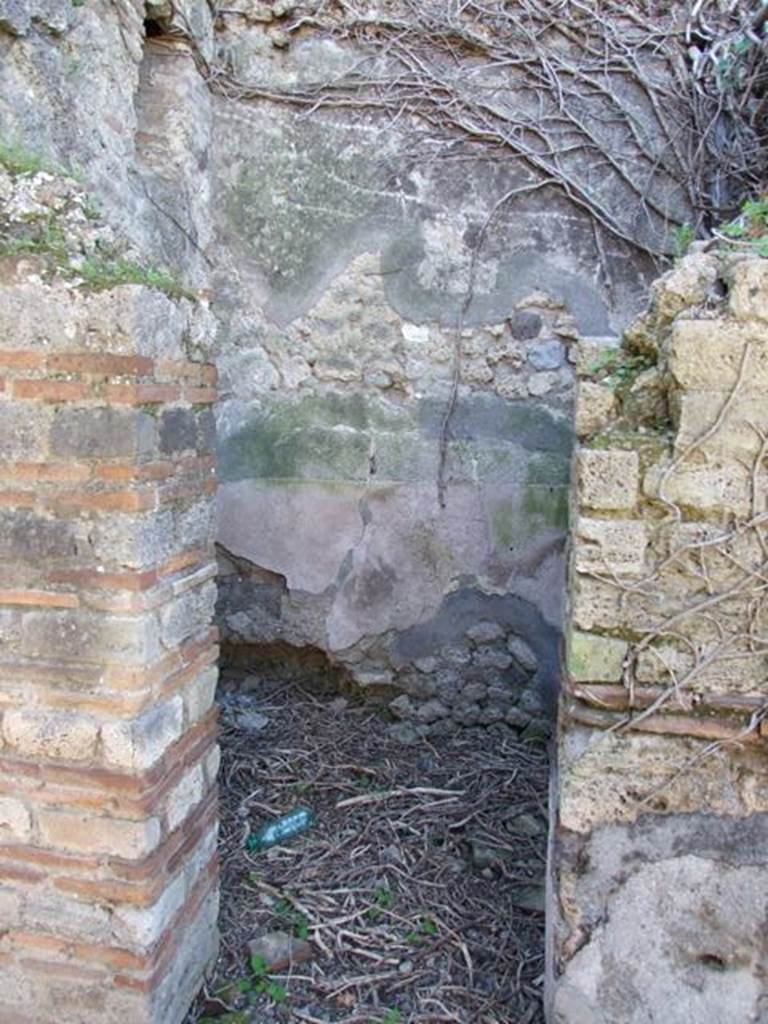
{"x": 544, "y": 506}
{"x": 514, "y": 521}
{"x": 549, "y": 468}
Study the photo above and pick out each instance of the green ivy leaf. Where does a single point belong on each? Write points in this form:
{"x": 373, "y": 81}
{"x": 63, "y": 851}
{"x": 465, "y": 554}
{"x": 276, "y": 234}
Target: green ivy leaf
{"x": 258, "y": 965}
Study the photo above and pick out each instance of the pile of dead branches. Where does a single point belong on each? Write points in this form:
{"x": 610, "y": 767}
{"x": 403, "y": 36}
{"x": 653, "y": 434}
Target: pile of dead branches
{"x": 416, "y": 895}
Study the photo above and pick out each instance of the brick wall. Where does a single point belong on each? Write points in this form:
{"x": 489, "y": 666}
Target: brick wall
{"x": 659, "y": 862}
{"x": 108, "y": 751}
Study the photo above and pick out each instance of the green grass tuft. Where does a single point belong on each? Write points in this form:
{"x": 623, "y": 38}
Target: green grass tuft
{"x": 102, "y": 272}
{"x": 18, "y": 160}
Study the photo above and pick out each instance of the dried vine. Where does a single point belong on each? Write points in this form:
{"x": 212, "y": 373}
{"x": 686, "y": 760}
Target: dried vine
{"x": 668, "y": 103}
{"x": 712, "y": 585}
{"x": 645, "y": 116}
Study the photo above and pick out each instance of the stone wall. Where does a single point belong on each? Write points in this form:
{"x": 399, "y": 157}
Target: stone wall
{"x": 394, "y": 342}
{"x": 108, "y": 755}
{"x": 330, "y": 521}
{"x": 393, "y": 339}
{"x": 660, "y": 832}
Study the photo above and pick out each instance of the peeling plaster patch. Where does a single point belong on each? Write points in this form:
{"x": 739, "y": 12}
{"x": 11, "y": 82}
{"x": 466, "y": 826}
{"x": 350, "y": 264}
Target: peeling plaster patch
{"x": 308, "y": 550}
{"x": 447, "y": 263}
{"x": 410, "y": 552}
{"x": 683, "y": 941}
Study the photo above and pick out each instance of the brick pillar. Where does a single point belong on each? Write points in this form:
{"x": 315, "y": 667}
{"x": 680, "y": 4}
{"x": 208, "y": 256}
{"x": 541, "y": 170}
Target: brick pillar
{"x": 108, "y": 749}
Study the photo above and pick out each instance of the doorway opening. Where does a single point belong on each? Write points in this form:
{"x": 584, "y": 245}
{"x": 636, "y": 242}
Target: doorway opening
{"x": 417, "y": 891}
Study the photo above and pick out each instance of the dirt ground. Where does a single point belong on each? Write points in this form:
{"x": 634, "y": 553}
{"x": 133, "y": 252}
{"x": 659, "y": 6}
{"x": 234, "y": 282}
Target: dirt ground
{"x": 416, "y": 895}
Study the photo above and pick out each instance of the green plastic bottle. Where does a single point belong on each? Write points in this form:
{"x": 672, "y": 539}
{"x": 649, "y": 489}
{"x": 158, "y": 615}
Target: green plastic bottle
{"x": 275, "y": 832}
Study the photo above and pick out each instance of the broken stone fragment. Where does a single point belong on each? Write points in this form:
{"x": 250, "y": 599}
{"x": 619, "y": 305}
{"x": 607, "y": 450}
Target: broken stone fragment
{"x": 402, "y": 707}
{"x": 537, "y": 731}
{"x": 529, "y": 897}
{"x": 547, "y": 355}
{"x": 432, "y": 710}
{"x": 484, "y": 856}
{"x": 482, "y": 632}
{"x": 527, "y": 824}
{"x": 522, "y": 653}
{"x": 280, "y": 951}
{"x": 252, "y": 721}
{"x": 524, "y": 326}
{"x": 279, "y": 39}
{"x": 542, "y": 382}
{"x": 404, "y": 732}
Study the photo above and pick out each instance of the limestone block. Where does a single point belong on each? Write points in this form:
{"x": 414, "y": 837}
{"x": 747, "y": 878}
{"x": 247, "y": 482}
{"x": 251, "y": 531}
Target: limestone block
{"x": 748, "y": 296}
{"x": 15, "y": 822}
{"x": 52, "y": 735}
{"x": 706, "y": 355}
{"x": 10, "y": 907}
{"x": 594, "y": 658}
{"x": 737, "y": 436}
{"x": 595, "y": 405}
{"x": 688, "y": 932}
{"x": 143, "y": 926}
{"x": 608, "y": 546}
{"x": 743, "y": 672}
{"x": 187, "y": 615}
{"x": 10, "y": 630}
{"x": 65, "y": 916}
{"x": 607, "y": 479}
{"x": 24, "y": 430}
{"x": 198, "y": 694}
{"x": 707, "y": 485}
{"x": 211, "y": 764}
{"x": 139, "y": 742}
{"x": 611, "y": 777}
{"x": 662, "y": 663}
{"x": 184, "y": 796}
{"x": 86, "y": 636}
{"x": 82, "y": 833}
{"x": 600, "y": 604}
